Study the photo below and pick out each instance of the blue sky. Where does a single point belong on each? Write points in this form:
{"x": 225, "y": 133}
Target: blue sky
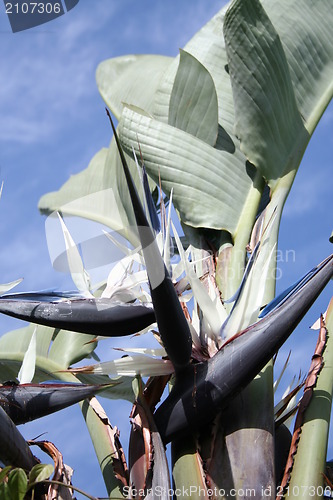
{"x": 53, "y": 122}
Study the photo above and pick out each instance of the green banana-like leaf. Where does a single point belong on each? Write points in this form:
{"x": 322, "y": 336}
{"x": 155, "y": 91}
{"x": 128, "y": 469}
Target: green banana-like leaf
{"x": 56, "y": 350}
{"x": 301, "y": 95}
{"x": 207, "y": 46}
{"x": 268, "y": 121}
{"x": 312, "y": 89}
{"x": 131, "y": 78}
{"x": 193, "y": 103}
{"x": 97, "y": 193}
{"x": 305, "y": 31}
{"x": 307, "y": 472}
{"x": 208, "y": 188}
{"x": 199, "y": 203}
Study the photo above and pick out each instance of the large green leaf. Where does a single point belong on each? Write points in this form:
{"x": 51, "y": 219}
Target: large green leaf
{"x": 130, "y": 78}
{"x": 305, "y": 30}
{"x": 207, "y": 46}
{"x": 198, "y": 202}
{"x": 307, "y": 45}
{"x": 193, "y": 103}
{"x": 99, "y": 193}
{"x": 92, "y": 194}
{"x": 281, "y": 78}
{"x": 209, "y": 189}
{"x": 56, "y": 350}
{"x": 267, "y": 119}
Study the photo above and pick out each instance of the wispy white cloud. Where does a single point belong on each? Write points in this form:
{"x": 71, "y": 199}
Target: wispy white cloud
{"x": 45, "y": 75}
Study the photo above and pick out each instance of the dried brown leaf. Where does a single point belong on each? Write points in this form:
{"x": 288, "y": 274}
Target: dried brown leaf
{"x": 140, "y": 450}
{"x": 154, "y": 389}
{"x": 62, "y": 473}
{"x": 309, "y": 385}
{"x": 119, "y": 464}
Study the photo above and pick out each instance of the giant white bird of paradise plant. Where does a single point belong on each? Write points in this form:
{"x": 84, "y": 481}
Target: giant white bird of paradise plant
{"x": 222, "y": 130}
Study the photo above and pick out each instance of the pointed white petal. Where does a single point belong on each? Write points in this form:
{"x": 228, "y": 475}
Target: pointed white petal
{"x": 27, "y": 370}
{"x": 79, "y": 275}
{"x": 130, "y": 366}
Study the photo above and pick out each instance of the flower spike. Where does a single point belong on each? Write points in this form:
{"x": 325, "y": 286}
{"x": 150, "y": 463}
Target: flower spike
{"x": 26, "y": 402}
{"x": 99, "y": 316}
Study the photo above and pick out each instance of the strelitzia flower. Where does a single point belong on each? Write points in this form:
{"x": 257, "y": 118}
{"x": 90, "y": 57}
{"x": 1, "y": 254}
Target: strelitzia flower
{"x": 202, "y": 389}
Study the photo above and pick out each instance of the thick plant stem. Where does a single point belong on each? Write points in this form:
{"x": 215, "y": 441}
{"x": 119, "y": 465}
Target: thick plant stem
{"x": 229, "y": 280}
{"x": 185, "y": 455}
{"x": 187, "y": 469}
{"x": 248, "y": 424}
{"x": 104, "y": 439}
{"x": 247, "y": 428}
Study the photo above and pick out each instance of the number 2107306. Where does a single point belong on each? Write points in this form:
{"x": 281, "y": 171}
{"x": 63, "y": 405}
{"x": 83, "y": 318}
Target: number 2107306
{"x": 33, "y": 8}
